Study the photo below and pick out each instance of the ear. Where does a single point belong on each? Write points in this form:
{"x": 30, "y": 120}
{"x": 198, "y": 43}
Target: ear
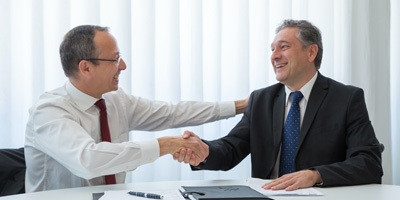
{"x": 312, "y": 52}
{"x": 84, "y": 68}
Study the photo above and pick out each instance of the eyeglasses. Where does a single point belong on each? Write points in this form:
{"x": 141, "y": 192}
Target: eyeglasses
{"x": 100, "y": 59}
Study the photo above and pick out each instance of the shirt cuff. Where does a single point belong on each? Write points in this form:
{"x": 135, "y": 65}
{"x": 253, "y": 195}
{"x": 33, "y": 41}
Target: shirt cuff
{"x": 226, "y": 109}
{"x": 150, "y": 150}
{"x": 322, "y": 182}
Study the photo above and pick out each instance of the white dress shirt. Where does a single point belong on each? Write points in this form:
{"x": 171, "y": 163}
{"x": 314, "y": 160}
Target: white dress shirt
{"x": 306, "y": 91}
{"x": 63, "y": 147}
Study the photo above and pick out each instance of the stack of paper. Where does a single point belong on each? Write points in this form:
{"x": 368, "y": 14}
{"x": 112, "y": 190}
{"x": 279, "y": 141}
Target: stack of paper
{"x": 256, "y": 184}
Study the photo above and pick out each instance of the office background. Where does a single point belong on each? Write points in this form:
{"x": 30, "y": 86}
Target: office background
{"x": 206, "y": 50}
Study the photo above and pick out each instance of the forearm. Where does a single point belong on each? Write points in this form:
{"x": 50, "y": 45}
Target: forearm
{"x": 111, "y": 158}
{"x": 159, "y": 115}
{"x": 79, "y": 153}
{"x": 168, "y": 145}
{"x": 353, "y": 171}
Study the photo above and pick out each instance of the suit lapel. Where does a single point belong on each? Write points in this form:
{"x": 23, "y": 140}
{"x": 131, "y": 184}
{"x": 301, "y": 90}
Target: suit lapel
{"x": 278, "y": 117}
{"x": 318, "y": 93}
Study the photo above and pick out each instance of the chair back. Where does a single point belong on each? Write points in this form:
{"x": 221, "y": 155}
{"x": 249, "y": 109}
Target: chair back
{"x": 12, "y": 171}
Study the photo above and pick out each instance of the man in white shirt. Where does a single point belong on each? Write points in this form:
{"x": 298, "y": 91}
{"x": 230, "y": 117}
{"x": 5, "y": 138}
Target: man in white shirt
{"x": 63, "y": 146}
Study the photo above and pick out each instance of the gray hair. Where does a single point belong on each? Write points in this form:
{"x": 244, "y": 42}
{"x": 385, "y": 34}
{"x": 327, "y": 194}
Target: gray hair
{"x": 78, "y": 44}
{"x": 308, "y": 34}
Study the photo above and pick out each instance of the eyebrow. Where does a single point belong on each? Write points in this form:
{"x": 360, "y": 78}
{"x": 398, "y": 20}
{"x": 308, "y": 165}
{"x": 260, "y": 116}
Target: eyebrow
{"x": 280, "y": 42}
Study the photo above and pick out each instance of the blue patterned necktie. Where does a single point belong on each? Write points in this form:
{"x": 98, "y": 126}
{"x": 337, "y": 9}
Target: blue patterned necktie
{"x": 291, "y": 133}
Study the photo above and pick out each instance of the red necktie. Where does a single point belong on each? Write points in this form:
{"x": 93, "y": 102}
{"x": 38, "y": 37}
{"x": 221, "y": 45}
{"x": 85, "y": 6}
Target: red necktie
{"x": 105, "y": 132}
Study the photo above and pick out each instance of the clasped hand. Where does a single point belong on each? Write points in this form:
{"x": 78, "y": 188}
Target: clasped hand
{"x": 187, "y": 148}
{"x": 189, "y": 154}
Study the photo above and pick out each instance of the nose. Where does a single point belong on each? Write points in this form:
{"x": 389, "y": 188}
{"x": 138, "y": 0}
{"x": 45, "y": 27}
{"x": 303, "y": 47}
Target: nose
{"x": 122, "y": 64}
{"x": 275, "y": 55}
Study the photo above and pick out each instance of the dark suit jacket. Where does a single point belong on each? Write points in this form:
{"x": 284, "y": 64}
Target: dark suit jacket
{"x": 12, "y": 171}
{"x": 336, "y": 136}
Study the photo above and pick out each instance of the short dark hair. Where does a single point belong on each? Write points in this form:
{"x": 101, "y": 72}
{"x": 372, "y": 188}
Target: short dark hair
{"x": 308, "y": 34}
{"x": 77, "y": 45}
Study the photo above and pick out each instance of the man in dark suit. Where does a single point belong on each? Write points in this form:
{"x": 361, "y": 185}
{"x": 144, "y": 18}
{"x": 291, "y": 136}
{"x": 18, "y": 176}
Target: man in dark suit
{"x": 335, "y": 145}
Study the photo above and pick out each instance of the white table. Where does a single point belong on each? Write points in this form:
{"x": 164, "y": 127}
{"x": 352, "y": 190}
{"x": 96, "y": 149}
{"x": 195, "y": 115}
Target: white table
{"x": 363, "y": 192}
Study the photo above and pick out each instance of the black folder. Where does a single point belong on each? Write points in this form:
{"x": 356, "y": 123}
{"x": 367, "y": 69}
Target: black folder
{"x": 97, "y": 196}
{"x": 222, "y": 192}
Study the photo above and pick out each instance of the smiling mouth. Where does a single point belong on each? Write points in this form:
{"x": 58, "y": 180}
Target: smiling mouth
{"x": 116, "y": 76}
{"x": 280, "y": 66}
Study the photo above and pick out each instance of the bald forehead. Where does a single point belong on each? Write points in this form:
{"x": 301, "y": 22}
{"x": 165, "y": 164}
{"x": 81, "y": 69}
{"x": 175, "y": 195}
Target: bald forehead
{"x": 105, "y": 43}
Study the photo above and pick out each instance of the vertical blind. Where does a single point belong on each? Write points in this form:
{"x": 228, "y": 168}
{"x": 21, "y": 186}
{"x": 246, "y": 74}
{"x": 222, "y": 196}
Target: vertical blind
{"x": 205, "y": 50}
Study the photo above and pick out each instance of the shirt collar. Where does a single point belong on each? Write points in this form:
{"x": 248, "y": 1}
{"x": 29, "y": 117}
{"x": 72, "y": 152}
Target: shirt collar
{"x": 81, "y": 99}
{"x": 305, "y": 90}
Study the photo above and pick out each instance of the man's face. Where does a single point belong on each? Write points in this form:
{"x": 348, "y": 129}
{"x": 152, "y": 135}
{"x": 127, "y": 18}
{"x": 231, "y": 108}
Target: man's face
{"x": 106, "y": 73}
{"x": 293, "y": 65}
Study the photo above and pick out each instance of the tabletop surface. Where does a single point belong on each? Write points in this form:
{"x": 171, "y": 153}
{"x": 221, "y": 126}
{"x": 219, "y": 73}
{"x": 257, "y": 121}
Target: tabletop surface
{"x": 370, "y": 191}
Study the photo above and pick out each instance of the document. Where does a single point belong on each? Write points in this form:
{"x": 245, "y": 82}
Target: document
{"x": 123, "y": 195}
{"x": 222, "y": 192}
{"x": 256, "y": 184}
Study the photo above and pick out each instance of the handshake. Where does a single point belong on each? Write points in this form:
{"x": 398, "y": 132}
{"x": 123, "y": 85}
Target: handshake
{"x": 187, "y": 148}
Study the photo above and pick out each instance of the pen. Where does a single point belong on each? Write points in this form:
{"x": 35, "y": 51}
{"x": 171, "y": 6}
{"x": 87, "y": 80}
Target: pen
{"x": 147, "y": 195}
